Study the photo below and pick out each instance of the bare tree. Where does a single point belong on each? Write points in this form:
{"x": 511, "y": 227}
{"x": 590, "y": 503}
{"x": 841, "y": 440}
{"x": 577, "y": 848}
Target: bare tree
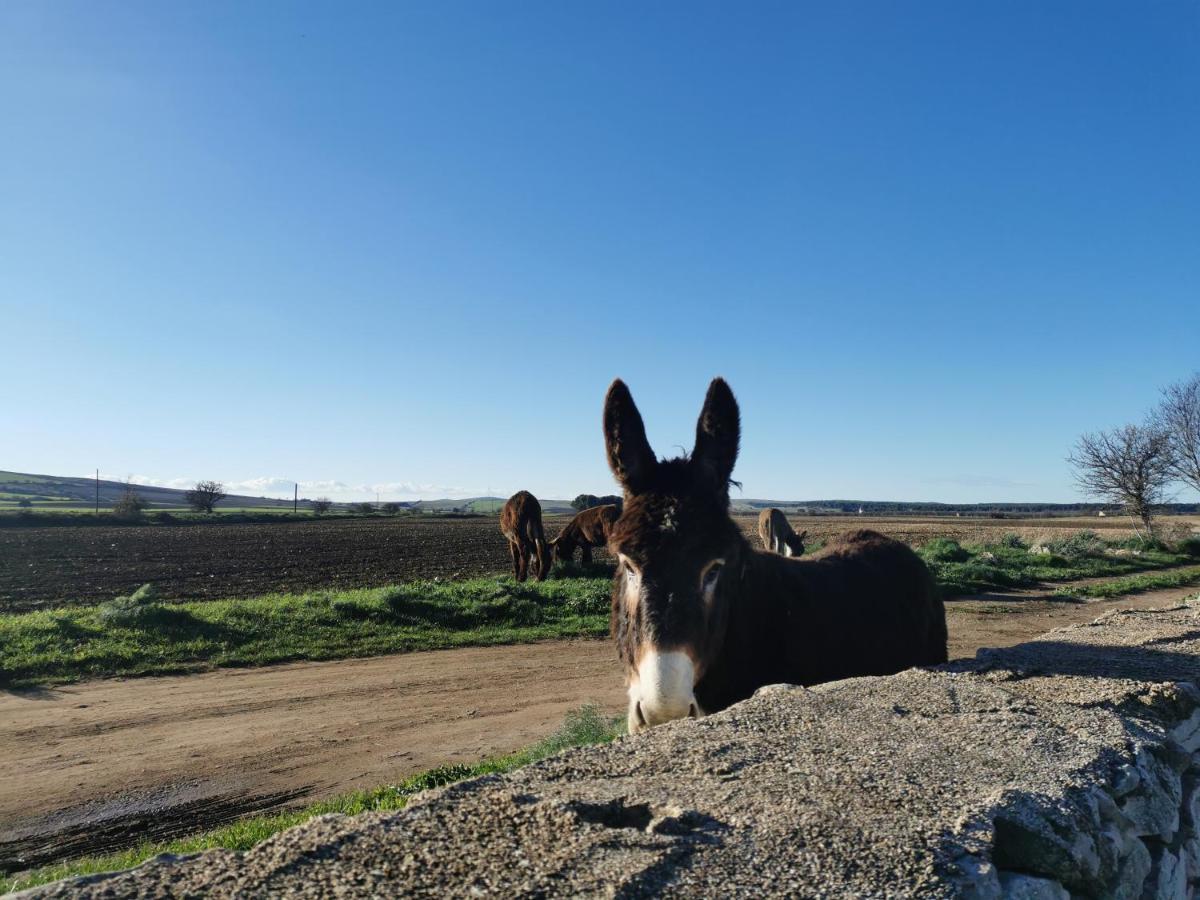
{"x": 321, "y": 505}
{"x": 206, "y": 495}
{"x": 130, "y": 504}
{"x": 1179, "y": 416}
{"x": 1130, "y": 466}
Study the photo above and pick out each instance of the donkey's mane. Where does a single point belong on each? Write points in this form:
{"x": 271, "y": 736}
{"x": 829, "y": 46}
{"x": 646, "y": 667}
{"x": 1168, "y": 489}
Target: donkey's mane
{"x": 677, "y": 475}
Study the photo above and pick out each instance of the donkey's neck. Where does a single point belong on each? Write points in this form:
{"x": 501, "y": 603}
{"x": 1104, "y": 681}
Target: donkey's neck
{"x": 768, "y": 587}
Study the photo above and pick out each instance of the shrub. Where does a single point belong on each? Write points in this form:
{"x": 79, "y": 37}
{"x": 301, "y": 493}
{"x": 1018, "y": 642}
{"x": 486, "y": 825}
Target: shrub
{"x": 162, "y": 517}
{"x": 1175, "y": 534}
{"x": 391, "y": 509}
{"x": 1136, "y": 542}
{"x": 25, "y": 503}
{"x": 1189, "y": 546}
{"x": 1013, "y": 542}
{"x": 1078, "y": 546}
{"x": 944, "y": 550}
{"x": 130, "y": 504}
{"x": 366, "y": 509}
{"x": 130, "y": 610}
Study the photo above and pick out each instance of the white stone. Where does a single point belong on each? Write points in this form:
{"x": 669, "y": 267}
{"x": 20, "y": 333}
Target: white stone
{"x": 1187, "y": 733}
{"x": 1168, "y": 880}
{"x": 1026, "y": 887}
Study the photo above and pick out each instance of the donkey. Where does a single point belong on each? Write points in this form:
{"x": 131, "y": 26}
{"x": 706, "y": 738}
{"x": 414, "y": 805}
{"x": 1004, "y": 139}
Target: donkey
{"x": 587, "y": 530}
{"x": 777, "y": 534}
{"x": 521, "y": 523}
{"x": 701, "y": 620}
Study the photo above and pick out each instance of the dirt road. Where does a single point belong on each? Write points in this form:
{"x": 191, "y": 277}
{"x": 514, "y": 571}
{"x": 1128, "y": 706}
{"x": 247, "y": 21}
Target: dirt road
{"x": 88, "y": 766}
{"x": 177, "y": 752}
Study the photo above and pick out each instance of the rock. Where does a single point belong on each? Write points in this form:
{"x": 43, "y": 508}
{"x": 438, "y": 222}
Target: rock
{"x": 1027, "y": 887}
{"x": 1169, "y": 881}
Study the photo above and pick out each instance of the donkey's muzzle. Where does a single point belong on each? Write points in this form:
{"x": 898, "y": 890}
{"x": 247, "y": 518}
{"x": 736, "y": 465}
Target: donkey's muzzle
{"x": 662, "y": 690}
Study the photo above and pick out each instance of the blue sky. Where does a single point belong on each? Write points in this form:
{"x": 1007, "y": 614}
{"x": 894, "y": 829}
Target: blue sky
{"x": 406, "y": 247}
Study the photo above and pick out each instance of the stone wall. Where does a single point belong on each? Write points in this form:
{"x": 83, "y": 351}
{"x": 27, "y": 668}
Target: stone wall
{"x": 1068, "y": 766}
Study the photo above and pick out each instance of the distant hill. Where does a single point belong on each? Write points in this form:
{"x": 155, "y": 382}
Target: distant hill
{"x": 57, "y": 492}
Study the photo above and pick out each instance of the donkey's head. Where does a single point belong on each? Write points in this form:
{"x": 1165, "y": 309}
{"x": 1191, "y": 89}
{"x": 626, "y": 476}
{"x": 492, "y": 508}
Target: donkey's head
{"x": 794, "y": 544}
{"x": 562, "y": 548}
{"x": 679, "y": 554}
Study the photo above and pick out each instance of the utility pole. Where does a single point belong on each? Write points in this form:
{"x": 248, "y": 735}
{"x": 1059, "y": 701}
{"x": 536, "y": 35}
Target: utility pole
{"x": 295, "y": 496}
{"x": 97, "y": 492}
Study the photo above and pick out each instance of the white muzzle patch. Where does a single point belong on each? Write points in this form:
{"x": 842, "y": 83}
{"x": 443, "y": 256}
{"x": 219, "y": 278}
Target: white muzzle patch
{"x": 662, "y": 690}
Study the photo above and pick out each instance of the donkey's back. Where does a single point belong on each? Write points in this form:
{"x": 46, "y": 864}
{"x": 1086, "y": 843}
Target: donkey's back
{"x": 863, "y": 605}
{"x": 521, "y": 517}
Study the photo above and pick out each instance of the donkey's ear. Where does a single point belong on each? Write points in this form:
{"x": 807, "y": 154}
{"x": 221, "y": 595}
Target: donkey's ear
{"x": 717, "y": 432}
{"x": 629, "y": 453}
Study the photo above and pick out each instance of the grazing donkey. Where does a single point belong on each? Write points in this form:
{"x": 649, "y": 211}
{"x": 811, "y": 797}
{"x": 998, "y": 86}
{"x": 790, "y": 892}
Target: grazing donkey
{"x": 587, "y": 530}
{"x": 702, "y": 620}
{"x": 521, "y": 523}
{"x": 777, "y": 534}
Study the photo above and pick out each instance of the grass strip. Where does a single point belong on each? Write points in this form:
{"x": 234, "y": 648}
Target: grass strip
{"x": 582, "y": 727}
{"x": 140, "y": 635}
{"x": 1134, "y": 584}
{"x": 964, "y": 569}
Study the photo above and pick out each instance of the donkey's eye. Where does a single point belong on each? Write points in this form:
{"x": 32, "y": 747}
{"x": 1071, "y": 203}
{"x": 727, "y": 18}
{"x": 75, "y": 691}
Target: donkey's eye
{"x": 711, "y": 574}
{"x": 630, "y": 572}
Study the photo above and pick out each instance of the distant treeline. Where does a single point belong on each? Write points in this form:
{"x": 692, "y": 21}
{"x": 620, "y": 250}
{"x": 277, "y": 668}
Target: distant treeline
{"x": 587, "y": 501}
{"x": 929, "y": 508}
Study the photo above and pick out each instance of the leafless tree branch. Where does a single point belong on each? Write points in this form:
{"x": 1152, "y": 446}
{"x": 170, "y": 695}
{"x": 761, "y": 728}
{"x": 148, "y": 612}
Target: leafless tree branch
{"x": 1179, "y": 416}
{"x": 1130, "y": 466}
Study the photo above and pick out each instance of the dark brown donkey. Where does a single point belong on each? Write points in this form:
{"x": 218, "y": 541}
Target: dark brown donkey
{"x": 521, "y": 523}
{"x": 777, "y": 535}
{"x": 587, "y": 530}
{"x": 702, "y": 620}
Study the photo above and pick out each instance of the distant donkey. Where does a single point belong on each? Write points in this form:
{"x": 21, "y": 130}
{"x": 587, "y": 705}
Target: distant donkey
{"x": 702, "y": 620}
{"x": 777, "y": 534}
{"x": 587, "y": 530}
{"x": 521, "y": 523}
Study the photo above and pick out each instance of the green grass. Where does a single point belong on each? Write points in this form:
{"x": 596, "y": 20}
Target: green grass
{"x": 1134, "y": 584}
{"x": 975, "y": 568}
{"x": 141, "y": 636}
{"x": 582, "y": 727}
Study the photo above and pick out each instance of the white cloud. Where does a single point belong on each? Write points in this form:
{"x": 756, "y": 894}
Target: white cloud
{"x": 182, "y": 484}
